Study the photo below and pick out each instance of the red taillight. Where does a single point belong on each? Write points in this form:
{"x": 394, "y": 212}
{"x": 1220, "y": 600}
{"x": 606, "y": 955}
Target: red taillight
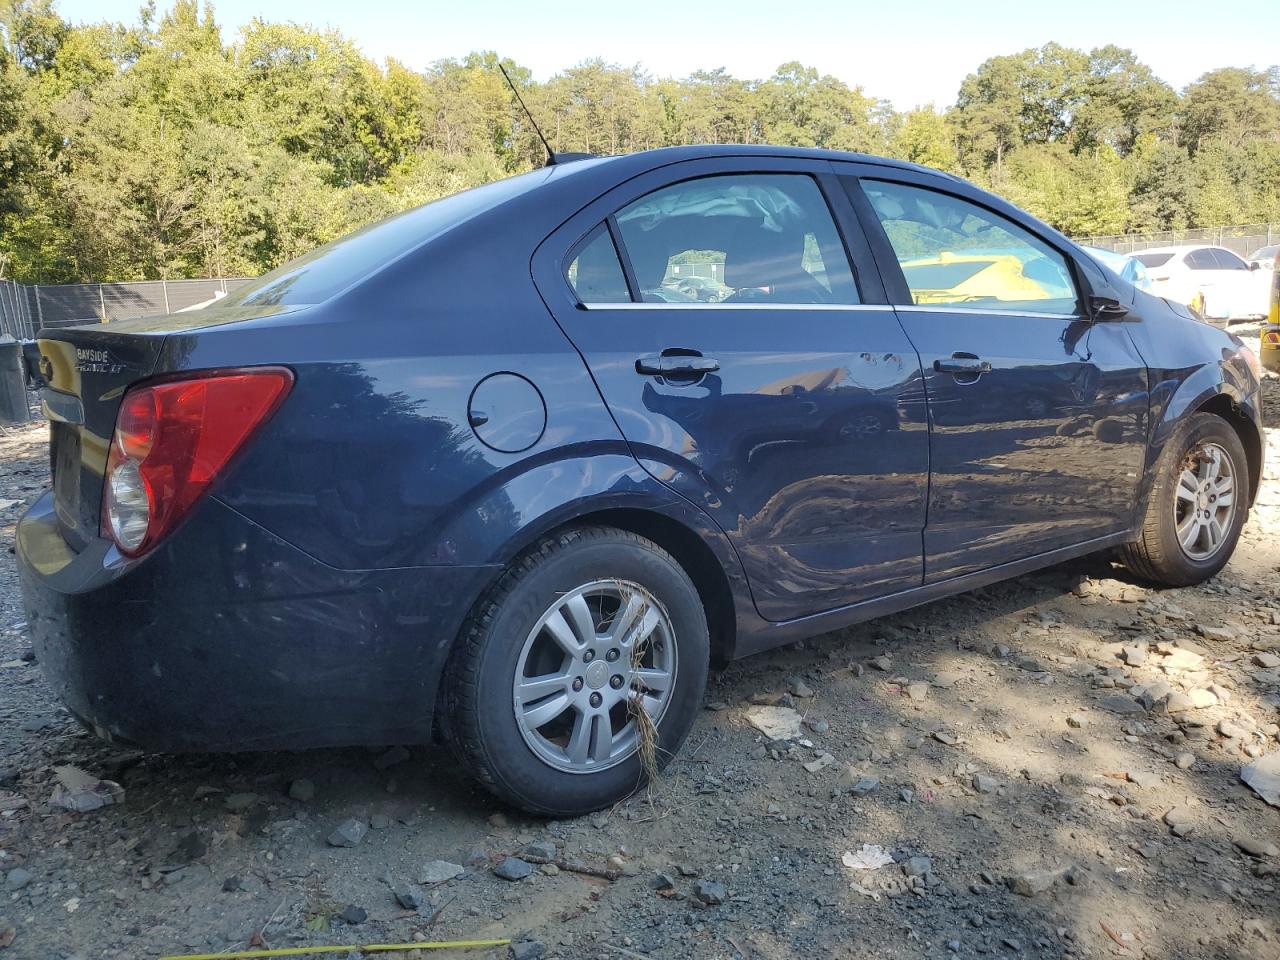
{"x": 172, "y": 439}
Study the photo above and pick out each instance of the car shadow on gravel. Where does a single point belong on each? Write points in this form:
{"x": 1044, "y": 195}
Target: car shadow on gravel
{"x": 1044, "y": 815}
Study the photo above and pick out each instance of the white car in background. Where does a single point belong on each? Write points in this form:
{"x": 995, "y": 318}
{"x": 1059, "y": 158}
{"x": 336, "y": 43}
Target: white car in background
{"x": 1124, "y": 265}
{"x": 1265, "y": 257}
{"x": 1232, "y": 289}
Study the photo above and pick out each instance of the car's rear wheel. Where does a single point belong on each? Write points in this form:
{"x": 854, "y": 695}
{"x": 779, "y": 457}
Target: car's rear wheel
{"x": 579, "y": 674}
{"x": 1197, "y": 506}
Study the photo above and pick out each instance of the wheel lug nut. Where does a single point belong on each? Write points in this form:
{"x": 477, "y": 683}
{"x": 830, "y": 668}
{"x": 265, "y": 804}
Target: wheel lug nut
{"x": 596, "y": 699}
{"x": 612, "y": 655}
{"x": 577, "y": 684}
{"x": 588, "y": 656}
{"x": 615, "y": 681}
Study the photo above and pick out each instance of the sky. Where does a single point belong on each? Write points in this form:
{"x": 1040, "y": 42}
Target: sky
{"x": 910, "y": 52}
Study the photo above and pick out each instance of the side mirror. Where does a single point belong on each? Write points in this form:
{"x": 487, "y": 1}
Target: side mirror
{"x": 1255, "y": 265}
{"x": 1107, "y": 310}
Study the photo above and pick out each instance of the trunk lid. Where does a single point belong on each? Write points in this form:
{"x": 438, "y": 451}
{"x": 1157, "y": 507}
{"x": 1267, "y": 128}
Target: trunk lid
{"x": 85, "y": 372}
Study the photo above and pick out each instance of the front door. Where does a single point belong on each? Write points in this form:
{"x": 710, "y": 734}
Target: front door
{"x": 1038, "y": 417}
{"x": 754, "y": 371}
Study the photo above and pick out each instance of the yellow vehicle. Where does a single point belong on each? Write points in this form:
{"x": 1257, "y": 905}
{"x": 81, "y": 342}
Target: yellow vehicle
{"x": 1269, "y": 338}
{"x": 966, "y": 277}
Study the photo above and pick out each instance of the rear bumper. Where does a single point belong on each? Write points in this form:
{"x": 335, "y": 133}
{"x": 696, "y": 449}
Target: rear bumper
{"x": 228, "y": 638}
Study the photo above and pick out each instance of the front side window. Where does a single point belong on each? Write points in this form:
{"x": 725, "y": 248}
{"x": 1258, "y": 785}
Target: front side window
{"x": 1229, "y": 261}
{"x": 953, "y": 252}
{"x": 759, "y": 238}
{"x": 595, "y": 273}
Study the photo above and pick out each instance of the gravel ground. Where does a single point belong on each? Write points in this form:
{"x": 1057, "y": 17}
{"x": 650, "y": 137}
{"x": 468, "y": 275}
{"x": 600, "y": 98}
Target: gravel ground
{"x": 1052, "y": 764}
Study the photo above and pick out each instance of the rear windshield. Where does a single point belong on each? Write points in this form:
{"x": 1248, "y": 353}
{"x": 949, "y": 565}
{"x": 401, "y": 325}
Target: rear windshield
{"x": 316, "y": 276}
{"x": 1153, "y": 259}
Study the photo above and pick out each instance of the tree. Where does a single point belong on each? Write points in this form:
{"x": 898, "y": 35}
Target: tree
{"x": 157, "y": 149}
{"x": 802, "y": 108}
{"x": 987, "y": 113}
{"x": 1122, "y": 101}
{"x": 926, "y": 137}
{"x": 1080, "y": 194}
{"x": 1162, "y": 186}
{"x": 1234, "y": 104}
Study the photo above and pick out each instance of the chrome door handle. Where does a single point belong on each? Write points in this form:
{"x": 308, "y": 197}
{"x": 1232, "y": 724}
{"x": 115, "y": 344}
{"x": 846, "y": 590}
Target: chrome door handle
{"x": 676, "y": 364}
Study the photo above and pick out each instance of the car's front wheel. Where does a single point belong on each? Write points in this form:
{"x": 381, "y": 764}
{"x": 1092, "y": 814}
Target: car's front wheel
{"x": 579, "y": 674}
{"x": 1197, "y": 507}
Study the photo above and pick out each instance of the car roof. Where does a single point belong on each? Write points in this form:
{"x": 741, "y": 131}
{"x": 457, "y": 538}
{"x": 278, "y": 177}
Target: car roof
{"x": 1183, "y": 248}
{"x": 660, "y": 156}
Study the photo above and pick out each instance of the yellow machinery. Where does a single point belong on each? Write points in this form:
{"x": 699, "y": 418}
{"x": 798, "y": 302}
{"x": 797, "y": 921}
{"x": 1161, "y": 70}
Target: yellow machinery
{"x": 955, "y": 278}
{"x": 1269, "y": 338}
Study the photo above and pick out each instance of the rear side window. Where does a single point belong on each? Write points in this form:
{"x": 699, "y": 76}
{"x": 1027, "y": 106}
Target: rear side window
{"x": 1153, "y": 259}
{"x": 328, "y": 270}
{"x": 739, "y": 239}
{"x": 595, "y": 272}
{"x": 1201, "y": 259}
{"x": 953, "y": 252}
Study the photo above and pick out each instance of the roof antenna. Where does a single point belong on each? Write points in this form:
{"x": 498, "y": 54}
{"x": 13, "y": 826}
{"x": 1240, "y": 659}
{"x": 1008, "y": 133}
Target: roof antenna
{"x": 552, "y": 157}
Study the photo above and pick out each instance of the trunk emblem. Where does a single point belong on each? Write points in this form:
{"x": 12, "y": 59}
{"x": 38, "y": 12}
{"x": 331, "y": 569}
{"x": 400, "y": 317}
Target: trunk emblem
{"x": 89, "y": 360}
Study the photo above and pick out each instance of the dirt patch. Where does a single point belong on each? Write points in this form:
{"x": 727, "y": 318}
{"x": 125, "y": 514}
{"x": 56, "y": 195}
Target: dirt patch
{"x": 1051, "y": 765}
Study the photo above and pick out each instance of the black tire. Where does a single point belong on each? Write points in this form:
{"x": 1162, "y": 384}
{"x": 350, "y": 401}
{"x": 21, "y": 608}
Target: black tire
{"x": 1157, "y": 555}
{"x": 477, "y": 715}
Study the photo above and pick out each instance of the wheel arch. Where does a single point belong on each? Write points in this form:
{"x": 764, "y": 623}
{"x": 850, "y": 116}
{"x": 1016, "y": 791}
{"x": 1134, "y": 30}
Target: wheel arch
{"x": 1222, "y": 405}
{"x": 714, "y": 570}
{"x": 1225, "y": 389}
{"x": 695, "y": 557}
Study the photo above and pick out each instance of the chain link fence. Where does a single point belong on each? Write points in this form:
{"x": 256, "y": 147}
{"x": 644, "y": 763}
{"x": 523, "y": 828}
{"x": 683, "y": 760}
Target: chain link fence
{"x": 25, "y": 308}
{"x": 1243, "y": 239}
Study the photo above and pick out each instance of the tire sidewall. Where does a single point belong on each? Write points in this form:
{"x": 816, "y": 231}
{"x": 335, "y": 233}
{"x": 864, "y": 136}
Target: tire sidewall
{"x": 520, "y": 772}
{"x": 1201, "y": 429}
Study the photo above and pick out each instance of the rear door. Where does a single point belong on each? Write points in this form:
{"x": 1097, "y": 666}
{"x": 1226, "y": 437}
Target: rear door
{"x": 732, "y": 318}
{"x": 1037, "y": 416}
{"x": 1207, "y": 278}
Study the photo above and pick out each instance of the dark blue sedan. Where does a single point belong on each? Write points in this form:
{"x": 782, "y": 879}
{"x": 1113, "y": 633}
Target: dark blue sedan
{"x": 518, "y": 465}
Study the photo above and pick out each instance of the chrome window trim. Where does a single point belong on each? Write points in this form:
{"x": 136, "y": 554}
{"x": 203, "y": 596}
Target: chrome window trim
{"x": 735, "y": 306}
{"x": 946, "y": 308}
{"x": 908, "y": 308}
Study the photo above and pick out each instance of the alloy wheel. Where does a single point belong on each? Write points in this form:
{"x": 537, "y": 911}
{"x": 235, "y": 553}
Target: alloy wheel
{"x": 599, "y": 655}
{"x": 1205, "y": 502}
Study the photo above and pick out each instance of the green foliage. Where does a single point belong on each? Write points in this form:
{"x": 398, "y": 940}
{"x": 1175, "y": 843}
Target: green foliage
{"x": 926, "y": 137}
{"x": 154, "y": 149}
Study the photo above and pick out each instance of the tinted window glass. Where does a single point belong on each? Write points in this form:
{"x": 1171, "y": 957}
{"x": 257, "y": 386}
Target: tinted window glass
{"x": 762, "y": 238}
{"x": 316, "y": 276}
{"x": 1229, "y": 261}
{"x": 1153, "y": 259}
{"x": 955, "y": 252}
{"x": 595, "y": 272}
{"x": 1201, "y": 259}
